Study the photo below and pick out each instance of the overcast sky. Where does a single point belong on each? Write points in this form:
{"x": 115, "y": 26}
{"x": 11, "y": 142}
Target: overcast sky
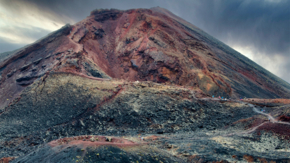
{"x": 258, "y": 29}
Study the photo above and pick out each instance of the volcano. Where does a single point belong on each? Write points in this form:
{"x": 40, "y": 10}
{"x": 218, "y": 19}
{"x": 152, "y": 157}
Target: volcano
{"x": 88, "y": 91}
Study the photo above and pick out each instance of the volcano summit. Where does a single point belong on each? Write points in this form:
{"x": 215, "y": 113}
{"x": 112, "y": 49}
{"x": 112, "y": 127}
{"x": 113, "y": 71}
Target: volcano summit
{"x": 87, "y": 92}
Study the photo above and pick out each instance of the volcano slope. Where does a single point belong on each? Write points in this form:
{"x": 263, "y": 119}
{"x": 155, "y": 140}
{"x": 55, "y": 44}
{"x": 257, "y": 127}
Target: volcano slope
{"x": 86, "y": 92}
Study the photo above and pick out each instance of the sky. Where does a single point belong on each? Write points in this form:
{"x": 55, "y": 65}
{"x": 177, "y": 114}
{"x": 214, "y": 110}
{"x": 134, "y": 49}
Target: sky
{"x": 258, "y": 29}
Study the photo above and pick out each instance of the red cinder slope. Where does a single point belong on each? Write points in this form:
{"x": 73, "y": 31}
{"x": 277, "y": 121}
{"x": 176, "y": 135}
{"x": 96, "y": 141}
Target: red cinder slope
{"x": 140, "y": 44}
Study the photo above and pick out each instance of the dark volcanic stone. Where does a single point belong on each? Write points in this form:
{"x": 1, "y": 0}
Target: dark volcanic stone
{"x": 92, "y": 155}
{"x": 99, "y": 33}
{"x": 11, "y": 73}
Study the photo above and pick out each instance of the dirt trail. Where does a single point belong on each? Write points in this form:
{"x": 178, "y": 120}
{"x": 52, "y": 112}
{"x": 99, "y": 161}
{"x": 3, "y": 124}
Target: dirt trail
{"x": 260, "y": 112}
{"x": 272, "y": 119}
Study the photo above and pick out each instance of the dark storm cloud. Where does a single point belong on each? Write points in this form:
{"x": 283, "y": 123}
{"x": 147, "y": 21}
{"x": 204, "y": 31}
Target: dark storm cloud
{"x": 262, "y": 26}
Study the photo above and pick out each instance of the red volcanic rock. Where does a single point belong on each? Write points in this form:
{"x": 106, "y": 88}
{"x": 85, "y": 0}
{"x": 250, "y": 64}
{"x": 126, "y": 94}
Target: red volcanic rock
{"x": 6, "y": 159}
{"x": 140, "y": 44}
{"x": 284, "y": 118}
{"x": 279, "y": 129}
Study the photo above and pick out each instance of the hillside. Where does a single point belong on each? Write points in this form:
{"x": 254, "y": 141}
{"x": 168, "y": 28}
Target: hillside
{"x": 88, "y": 91}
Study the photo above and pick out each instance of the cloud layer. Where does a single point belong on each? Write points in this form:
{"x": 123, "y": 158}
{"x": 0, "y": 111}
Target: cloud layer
{"x": 258, "y": 29}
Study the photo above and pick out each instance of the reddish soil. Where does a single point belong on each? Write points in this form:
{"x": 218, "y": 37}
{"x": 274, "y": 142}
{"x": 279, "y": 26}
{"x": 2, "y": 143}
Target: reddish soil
{"x": 87, "y": 141}
{"x": 284, "y": 118}
{"x": 256, "y": 122}
{"x": 267, "y": 101}
{"x": 282, "y": 130}
{"x": 6, "y": 159}
{"x": 248, "y": 158}
{"x": 153, "y": 137}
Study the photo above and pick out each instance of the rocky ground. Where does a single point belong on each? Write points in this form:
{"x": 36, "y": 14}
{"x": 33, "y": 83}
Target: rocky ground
{"x": 179, "y": 124}
{"x": 137, "y": 86}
